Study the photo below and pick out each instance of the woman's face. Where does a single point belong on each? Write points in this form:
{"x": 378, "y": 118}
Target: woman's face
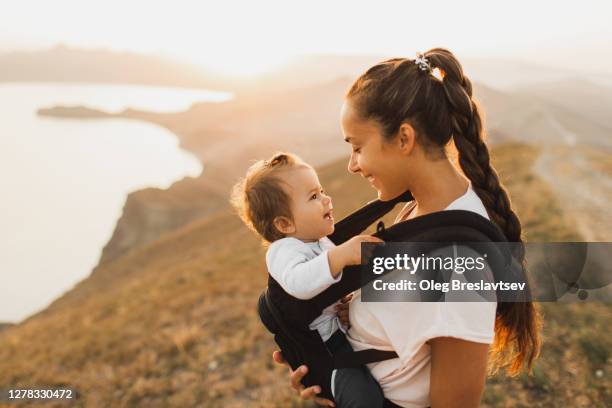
{"x": 383, "y": 163}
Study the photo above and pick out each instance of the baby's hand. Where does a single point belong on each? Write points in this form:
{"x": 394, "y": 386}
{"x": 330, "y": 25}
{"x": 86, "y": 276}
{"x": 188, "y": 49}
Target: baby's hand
{"x": 353, "y": 248}
{"x": 348, "y": 253}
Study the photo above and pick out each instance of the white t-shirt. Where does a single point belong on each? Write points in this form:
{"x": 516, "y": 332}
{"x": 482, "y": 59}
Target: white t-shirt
{"x": 405, "y": 327}
{"x": 302, "y": 270}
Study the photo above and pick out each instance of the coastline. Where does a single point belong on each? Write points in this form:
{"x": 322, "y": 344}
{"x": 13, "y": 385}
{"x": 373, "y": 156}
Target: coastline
{"x": 150, "y": 212}
{"x": 224, "y": 137}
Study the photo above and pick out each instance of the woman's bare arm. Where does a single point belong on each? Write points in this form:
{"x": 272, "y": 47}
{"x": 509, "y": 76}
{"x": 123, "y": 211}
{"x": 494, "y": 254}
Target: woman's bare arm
{"x": 458, "y": 372}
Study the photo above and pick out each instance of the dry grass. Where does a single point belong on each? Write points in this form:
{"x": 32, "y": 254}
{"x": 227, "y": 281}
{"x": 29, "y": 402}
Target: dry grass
{"x": 174, "y": 323}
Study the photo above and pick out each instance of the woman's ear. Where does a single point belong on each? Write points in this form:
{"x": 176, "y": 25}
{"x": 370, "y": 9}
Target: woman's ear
{"x": 284, "y": 225}
{"x": 407, "y": 138}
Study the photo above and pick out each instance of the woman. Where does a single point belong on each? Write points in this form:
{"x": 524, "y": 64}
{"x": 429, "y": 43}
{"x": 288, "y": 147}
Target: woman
{"x": 399, "y": 118}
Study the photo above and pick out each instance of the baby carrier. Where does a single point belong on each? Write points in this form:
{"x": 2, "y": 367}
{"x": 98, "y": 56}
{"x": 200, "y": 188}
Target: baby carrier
{"x": 300, "y": 345}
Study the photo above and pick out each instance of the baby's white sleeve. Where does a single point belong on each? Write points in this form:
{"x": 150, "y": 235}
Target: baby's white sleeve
{"x": 292, "y": 265}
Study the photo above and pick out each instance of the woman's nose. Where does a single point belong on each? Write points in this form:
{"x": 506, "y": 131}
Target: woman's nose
{"x": 352, "y": 165}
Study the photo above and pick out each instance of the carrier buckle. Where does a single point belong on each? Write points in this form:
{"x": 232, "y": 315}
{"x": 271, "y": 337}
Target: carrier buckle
{"x": 380, "y": 228}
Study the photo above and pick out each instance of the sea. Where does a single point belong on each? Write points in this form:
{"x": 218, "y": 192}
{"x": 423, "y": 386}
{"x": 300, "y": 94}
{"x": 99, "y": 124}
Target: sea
{"x": 64, "y": 181}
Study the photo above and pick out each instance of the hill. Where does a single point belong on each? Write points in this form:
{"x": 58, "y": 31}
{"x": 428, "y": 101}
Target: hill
{"x": 584, "y": 96}
{"x": 173, "y": 322}
{"x": 68, "y": 64}
{"x": 64, "y": 64}
{"x": 537, "y": 118}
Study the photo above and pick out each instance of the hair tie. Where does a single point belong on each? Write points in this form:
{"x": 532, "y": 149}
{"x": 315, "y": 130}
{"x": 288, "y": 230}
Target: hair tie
{"x": 422, "y": 62}
{"x": 424, "y": 65}
{"x": 438, "y": 73}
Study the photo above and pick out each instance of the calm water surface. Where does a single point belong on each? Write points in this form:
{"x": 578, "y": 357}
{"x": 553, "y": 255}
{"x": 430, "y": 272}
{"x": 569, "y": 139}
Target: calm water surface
{"x": 64, "y": 182}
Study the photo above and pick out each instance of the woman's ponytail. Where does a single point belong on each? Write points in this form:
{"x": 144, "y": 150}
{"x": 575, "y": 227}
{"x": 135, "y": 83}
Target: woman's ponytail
{"x": 517, "y": 340}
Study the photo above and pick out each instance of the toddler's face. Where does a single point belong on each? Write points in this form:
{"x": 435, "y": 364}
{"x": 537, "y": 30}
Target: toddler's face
{"x": 311, "y": 207}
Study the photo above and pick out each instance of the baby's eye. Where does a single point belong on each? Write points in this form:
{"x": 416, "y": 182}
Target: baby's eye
{"x": 314, "y": 196}
{"x": 356, "y": 149}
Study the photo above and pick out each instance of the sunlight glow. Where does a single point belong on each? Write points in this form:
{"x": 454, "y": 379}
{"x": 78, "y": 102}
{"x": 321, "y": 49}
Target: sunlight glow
{"x": 247, "y": 38}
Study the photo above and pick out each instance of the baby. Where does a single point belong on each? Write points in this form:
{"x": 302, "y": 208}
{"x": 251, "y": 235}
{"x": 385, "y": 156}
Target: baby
{"x": 282, "y": 200}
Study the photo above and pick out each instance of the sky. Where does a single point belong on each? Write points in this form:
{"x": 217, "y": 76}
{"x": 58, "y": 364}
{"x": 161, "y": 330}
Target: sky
{"x": 249, "y": 37}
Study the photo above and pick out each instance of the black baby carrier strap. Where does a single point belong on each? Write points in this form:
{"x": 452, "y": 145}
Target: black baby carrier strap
{"x": 300, "y": 345}
{"x": 430, "y": 231}
{"x": 358, "y": 221}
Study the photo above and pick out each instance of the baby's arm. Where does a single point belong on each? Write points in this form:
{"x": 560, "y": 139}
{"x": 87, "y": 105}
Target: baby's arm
{"x": 305, "y": 278}
{"x": 301, "y": 277}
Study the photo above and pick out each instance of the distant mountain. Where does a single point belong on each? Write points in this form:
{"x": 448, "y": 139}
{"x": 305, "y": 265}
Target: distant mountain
{"x": 583, "y": 96}
{"x": 63, "y": 64}
{"x": 494, "y": 72}
{"x": 309, "y": 70}
{"x": 509, "y": 74}
{"x": 531, "y": 118}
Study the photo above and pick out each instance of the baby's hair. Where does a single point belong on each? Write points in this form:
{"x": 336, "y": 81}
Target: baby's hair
{"x": 260, "y": 197}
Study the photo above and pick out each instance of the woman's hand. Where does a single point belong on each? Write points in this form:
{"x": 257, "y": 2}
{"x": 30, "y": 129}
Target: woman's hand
{"x": 296, "y": 382}
{"x": 342, "y": 310}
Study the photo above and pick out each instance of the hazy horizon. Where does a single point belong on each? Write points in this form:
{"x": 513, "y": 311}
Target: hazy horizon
{"x": 572, "y": 36}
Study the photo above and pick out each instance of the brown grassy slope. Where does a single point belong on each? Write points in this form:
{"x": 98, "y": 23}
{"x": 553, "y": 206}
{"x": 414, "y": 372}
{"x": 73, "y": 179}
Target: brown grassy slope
{"x": 575, "y": 365}
{"x": 176, "y": 323}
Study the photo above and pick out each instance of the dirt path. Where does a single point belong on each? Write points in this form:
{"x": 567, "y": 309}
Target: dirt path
{"x": 583, "y": 185}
